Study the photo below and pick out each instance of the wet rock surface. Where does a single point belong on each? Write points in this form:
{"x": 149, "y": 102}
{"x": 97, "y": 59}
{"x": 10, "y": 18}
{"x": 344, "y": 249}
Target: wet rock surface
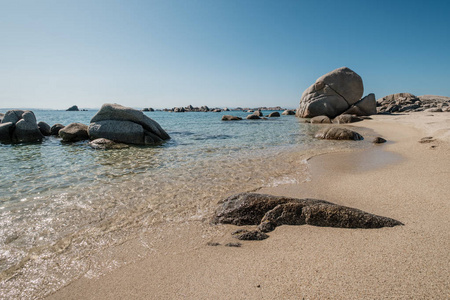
{"x": 269, "y": 211}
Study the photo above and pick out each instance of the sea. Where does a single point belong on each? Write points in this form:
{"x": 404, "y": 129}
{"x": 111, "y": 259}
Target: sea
{"x": 61, "y": 203}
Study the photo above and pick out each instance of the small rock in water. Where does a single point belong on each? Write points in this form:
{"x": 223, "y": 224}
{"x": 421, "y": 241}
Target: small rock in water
{"x": 230, "y": 118}
{"x": 74, "y": 132}
{"x": 253, "y": 117}
{"x": 56, "y": 128}
{"x": 274, "y": 114}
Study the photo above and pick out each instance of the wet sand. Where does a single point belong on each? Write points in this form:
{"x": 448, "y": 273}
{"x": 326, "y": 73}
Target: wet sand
{"x": 402, "y": 179}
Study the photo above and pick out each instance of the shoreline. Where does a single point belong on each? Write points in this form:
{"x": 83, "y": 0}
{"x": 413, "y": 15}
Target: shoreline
{"x": 409, "y": 261}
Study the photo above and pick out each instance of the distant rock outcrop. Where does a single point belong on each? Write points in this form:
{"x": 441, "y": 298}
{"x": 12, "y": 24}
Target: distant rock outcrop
{"x": 406, "y": 102}
{"x": 19, "y": 126}
{"x": 125, "y": 125}
{"x": 269, "y": 211}
{"x": 331, "y": 94}
{"x": 73, "y": 108}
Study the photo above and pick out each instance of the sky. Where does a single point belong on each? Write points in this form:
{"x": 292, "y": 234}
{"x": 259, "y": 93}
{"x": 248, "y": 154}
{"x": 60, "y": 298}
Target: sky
{"x": 163, "y": 54}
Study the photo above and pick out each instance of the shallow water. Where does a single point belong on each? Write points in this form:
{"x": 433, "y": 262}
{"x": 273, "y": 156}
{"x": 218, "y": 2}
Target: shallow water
{"x": 62, "y": 203}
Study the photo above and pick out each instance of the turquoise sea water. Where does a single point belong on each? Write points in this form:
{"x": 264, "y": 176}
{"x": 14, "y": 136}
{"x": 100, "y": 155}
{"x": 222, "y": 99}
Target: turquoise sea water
{"x": 60, "y": 203}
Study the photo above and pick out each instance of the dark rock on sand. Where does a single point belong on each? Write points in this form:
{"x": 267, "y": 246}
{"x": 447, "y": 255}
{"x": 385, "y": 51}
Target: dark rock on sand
{"x": 345, "y": 118}
{"x": 274, "y": 114}
{"x": 253, "y": 117}
{"x": 73, "y": 108}
{"x": 126, "y": 125}
{"x": 74, "y": 132}
{"x": 331, "y": 94}
{"x": 230, "y": 118}
{"x": 320, "y": 120}
{"x": 269, "y": 211}
{"x": 105, "y": 144}
{"x": 23, "y": 127}
{"x": 44, "y": 128}
{"x": 338, "y": 133}
{"x": 365, "y": 107}
{"x": 247, "y": 235}
{"x": 427, "y": 139}
{"x": 237, "y": 245}
{"x": 379, "y": 140}
{"x": 433, "y": 109}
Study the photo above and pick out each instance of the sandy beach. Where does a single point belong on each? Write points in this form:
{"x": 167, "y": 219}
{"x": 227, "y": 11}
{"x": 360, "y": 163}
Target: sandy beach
{"x": 402, "y": 179}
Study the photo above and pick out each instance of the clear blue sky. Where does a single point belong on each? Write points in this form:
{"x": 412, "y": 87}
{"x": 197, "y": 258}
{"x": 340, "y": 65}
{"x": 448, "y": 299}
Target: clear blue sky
{"x": 55, "y": 54}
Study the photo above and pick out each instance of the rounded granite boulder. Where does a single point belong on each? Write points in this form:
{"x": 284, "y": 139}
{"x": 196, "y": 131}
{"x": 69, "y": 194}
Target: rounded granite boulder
{"x": 331, "y": 94}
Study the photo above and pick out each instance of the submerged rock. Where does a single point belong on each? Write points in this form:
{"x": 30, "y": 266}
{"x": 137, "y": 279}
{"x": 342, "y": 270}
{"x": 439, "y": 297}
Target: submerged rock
{"x": 331, "y": 94}
{"x": 269, "y": 211}
{"x": 105, "y": 144}
{"x": 338, "y": 133}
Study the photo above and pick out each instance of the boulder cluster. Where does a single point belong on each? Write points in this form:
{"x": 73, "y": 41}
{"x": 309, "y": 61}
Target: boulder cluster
{"x": 112, "y": 124}
{"x": 19, "y": 126}
{"x": 269, "y": 212}
{"x": 406, "y": 102}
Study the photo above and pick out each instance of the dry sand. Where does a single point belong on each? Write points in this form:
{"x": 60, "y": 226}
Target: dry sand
{"x": 402, "y": 179}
